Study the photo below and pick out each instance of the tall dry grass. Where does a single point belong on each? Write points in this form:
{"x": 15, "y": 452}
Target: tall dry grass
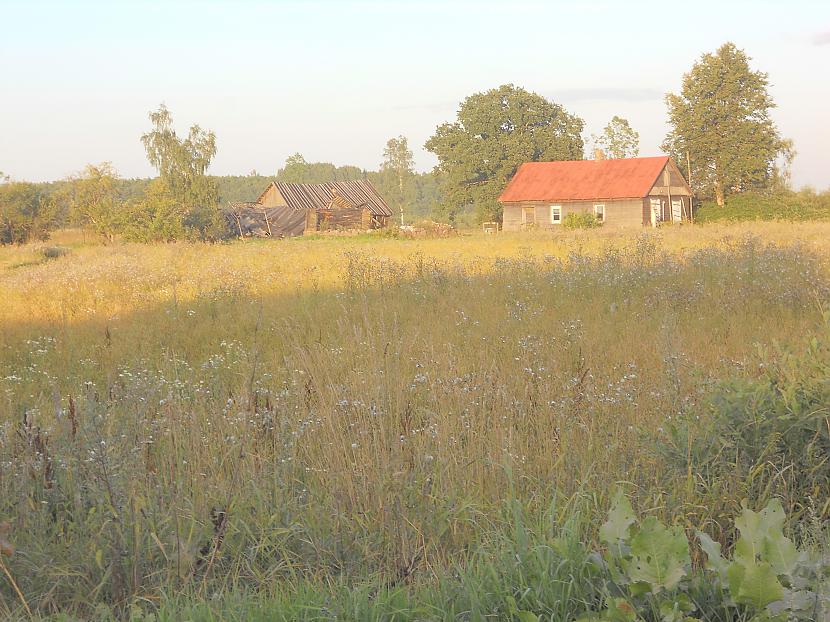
{"x": 208, "y": 418}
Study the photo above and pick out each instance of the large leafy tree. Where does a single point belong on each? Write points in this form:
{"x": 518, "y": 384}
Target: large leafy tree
{"x": 721, "y": 125}
{"x": 93, "y": 198}
{"x": 397, "y": 173}
{"x": 495, "y": 132}
{"x": 182, "y": 165}
{"x": 618, "y": 139}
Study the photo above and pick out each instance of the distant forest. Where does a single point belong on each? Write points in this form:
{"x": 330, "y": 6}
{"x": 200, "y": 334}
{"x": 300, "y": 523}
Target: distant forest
{"x": 424, "y": 203}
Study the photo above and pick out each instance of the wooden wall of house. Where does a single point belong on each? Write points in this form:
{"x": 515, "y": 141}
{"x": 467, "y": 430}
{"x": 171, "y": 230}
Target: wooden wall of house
{"x": 272, "y": 198}
{"x": 666, "y": 214}
{"x": 342, "y": 218}
{"x": 670, "y": 182}
{"x": 618, "y": 213}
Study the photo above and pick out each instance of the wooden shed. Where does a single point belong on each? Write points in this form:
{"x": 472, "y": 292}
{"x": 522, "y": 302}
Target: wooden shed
{"x": 285, "y": 210}
{"x": 625, "y": 192}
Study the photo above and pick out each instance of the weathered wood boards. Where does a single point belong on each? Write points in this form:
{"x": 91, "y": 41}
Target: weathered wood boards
{"x": 284, "y": 210}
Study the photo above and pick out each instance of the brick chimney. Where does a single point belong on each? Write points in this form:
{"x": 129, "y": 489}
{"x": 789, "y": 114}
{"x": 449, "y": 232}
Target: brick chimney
{"x": 599, "y": 154}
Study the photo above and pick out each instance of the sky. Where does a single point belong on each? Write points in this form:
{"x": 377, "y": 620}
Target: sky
{"x": 334, "y": 80}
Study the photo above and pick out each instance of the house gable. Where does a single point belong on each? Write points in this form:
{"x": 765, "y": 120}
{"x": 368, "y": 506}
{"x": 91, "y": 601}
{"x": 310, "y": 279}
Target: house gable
{"x": 671, "y": 182}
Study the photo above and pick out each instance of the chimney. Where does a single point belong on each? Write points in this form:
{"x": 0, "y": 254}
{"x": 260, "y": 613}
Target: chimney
{"x": 599, "y": 154}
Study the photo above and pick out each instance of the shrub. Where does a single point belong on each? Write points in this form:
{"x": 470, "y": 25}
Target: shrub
{"x": 792, "y": 206}
{"x": 53, "y": 252}
{"x": 25, "y": 214}
{"x": 581, "y": 220}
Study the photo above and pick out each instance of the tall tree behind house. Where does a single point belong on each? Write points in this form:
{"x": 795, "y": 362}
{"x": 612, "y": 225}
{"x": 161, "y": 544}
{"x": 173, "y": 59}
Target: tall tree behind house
{"x": 721, "y": 126}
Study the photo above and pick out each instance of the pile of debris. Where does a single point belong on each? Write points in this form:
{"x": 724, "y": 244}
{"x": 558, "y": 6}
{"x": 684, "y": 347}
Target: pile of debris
{"x": 428, "y": 229}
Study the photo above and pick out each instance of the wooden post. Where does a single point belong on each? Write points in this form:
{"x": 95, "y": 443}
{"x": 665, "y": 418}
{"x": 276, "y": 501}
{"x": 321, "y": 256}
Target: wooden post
{"x": 267, "y": 224}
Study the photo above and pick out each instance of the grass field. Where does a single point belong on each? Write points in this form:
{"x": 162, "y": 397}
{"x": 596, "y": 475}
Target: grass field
{"x": 375, "y": 428}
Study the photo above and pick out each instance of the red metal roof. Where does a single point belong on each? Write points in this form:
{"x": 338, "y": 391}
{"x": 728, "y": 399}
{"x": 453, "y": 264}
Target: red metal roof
{"x": 627, "y": 178}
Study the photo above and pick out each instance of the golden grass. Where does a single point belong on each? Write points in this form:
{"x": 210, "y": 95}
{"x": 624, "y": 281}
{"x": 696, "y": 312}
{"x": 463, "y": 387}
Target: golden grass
{"x": 359, "y": 405}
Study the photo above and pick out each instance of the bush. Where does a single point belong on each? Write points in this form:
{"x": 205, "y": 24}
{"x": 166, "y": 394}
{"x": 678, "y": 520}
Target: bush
{"x": 791, "y": 206}
{"x": 25, "y": 214}
{"x": 53, "y": 252}
{"x": 581, "y": 220}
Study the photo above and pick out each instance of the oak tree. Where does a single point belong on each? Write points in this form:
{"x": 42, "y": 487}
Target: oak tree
{"x": 494, "y": 133}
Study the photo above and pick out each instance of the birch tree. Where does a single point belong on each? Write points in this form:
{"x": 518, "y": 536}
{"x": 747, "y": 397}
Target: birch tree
{"x": 398, "y": 164}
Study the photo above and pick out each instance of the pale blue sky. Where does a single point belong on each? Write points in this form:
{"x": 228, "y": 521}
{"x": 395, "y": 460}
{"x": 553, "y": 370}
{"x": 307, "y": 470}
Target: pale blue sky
{"x": 334, "y": 80}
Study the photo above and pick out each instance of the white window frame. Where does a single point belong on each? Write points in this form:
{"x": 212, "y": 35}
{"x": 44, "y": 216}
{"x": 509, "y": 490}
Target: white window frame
{"x": 597, "y": 208}
{"x": 555, "y": 209}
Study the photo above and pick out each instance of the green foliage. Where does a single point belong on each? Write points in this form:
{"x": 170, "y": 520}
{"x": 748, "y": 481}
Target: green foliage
{"x": 92, "y": 199}
{"x": 187, "y": 194}
{"x": 618, "y": 139}
{"x": 298, "y": 171}
{"x": 397, "y": 174}
{"x": 494, "y": 133}
{"x": 651, "y": 576}
{"x": 721, "y": 119}
{"x": 157, "y": 217}
{"x": 785, "y": 205}
{"x": 766, "y": 434}
{"x": 581, "y": 220}
{"x": 25, "y": 214}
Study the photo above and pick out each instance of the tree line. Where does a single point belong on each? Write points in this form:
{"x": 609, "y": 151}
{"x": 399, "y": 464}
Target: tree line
{"x": 722, "y": 137}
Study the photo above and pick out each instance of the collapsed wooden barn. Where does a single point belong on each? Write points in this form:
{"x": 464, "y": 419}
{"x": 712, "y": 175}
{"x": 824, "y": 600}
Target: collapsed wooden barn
{"x": 286, "y": 210}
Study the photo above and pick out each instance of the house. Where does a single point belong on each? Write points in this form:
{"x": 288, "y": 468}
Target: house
{"x": 285, "y": 210}
{"x": 623, "y": 192}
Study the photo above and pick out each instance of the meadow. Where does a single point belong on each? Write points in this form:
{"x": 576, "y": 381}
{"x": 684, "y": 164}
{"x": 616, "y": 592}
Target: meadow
{"x": 370, "y": 428}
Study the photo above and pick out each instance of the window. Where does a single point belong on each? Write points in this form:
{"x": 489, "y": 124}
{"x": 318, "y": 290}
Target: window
{"x": 599, "y": 212}
{"x": 555, "y": 214}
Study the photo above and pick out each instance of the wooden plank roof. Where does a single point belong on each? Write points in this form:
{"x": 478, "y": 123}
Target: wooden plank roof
{"x": 357, "y": 193}
{"x": 624, "y": 178}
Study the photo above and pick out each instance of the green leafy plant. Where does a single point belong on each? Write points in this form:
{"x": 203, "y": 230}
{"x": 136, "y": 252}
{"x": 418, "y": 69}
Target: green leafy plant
{"x": 581, "y": 220}
{"x": 651, "y": 578}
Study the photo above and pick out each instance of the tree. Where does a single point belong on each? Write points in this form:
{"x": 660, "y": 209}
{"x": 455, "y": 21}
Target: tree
{"x": 158, "y": 216}
{"x": 92, "y": 198}
{"x": 398, "y": 166}
{"x": 721, "y": 123}
{"x": 494, "y": 133}
{"x": 24, "y": 213}
{"x": 182, "y": 166}
{"x": 298, "y": 171}
{"x": 618, "y": 139}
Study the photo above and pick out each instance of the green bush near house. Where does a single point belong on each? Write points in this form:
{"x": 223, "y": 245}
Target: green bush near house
{"x": 581, "y": 220}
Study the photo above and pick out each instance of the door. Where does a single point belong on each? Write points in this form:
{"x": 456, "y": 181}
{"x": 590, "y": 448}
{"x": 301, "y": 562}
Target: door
{"x": 676, "y": 210}
{"x": 656, "y": 211}
{"x": 528, "y": 216}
